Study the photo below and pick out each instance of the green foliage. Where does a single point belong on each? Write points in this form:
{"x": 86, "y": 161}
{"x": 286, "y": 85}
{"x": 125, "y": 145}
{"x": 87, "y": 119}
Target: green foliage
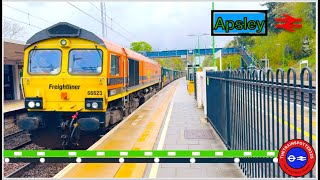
{"x": 281, "y": 45}
{"x": 233, "y": 60}
{"x": 140, "y": 46}
{"x": 207, "y": 62}
{"x": 287, "y": 45}
{"x": 274, "y": 11}
{"x": 244, "y": 40}
{"x": 172, "y": 63}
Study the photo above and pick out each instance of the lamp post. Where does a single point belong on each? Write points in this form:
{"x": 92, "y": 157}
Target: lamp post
{"x": 204, "y": 34}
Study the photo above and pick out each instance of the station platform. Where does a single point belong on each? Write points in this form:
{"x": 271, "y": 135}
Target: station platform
{"x": 13, "y": 105}
{"x": 170, "y": 120}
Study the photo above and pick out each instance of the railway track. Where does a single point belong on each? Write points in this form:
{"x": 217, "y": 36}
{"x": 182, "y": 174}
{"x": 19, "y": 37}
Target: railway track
{"x": 264, "y": 92}
{"x": 298, "y": 99}
{"x": 14, "y": 134}
{"x": 16, "y": 140}
{"x": 21, "y": 170}
{"x": 30, "y": 170}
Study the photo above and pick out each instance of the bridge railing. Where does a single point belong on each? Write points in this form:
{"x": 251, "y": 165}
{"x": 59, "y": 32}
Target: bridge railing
{"x": 261, "y": 111}
{"x": 253, "y": 59}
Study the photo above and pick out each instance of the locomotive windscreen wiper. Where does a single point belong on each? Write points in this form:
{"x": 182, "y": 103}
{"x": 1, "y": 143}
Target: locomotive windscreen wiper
{"x": 32, "y": 53}
{"x": 99, "y": 53}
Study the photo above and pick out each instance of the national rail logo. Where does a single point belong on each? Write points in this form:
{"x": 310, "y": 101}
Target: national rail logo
{"x": 238, "y": 23}
{"x": 296, "y": 157}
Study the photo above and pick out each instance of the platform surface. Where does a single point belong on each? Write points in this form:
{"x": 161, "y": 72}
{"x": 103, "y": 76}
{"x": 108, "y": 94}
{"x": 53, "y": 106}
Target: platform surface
{"x": 186, "y": 128}
{"x": 138, "y": 131}
{"x": 168, "y": 121}
{"x": 13, "y": 105}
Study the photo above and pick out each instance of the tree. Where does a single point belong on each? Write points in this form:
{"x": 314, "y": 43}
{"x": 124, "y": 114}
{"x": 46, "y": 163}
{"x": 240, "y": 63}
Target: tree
{"x": 12, "y": 30}
{"x": 140, "y": 46}
{"x": 171, "y": 63}
{"x": 275, "y": 10}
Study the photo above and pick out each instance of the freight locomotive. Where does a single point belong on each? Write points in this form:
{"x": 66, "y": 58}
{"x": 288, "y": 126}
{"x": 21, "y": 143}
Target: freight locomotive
{"x": 76, "y": 85}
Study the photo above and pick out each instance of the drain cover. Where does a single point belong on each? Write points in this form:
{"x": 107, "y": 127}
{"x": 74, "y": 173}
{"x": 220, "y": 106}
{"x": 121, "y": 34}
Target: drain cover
{"x": 198, "y": 134}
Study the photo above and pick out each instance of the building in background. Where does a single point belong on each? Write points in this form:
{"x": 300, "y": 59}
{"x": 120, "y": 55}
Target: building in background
{"x": 12, "y": 69}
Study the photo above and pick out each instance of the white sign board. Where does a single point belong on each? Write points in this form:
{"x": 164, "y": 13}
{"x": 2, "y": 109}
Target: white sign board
{"x": 304, "y": 62}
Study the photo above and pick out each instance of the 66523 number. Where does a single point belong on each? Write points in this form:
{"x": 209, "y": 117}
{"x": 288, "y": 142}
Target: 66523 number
{"x": 94, "y": 92}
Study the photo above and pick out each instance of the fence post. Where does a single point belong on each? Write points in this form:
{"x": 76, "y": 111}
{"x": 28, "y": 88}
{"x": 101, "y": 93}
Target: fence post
{"x": 228, "y": 108}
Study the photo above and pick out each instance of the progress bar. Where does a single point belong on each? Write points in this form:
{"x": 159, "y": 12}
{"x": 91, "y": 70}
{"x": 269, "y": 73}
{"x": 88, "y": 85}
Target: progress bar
{"x": 141, "y": 160}
{"x": 141, "y": 153}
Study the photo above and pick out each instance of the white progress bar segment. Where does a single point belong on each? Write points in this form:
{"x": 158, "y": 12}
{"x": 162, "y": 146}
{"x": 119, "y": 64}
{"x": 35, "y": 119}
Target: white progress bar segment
{"x": 123, "y": 153}
{"x": 72, "y": 153}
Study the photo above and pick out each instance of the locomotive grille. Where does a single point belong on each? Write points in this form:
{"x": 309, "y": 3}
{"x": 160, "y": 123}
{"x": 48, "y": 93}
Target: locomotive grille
{"x": 63, "y": 30}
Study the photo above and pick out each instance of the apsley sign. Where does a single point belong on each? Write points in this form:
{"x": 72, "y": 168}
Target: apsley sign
{"x": 238, "y": 22}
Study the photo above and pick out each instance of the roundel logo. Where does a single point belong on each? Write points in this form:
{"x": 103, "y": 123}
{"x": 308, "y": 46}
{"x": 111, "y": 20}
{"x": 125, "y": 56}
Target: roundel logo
{"x": 296, "y": 157}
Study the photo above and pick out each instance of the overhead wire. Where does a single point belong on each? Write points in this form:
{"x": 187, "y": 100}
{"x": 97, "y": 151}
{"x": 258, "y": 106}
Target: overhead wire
{"x": 28, "y": 14}
{"x": 99, "y": 21}
{"x": 22, "y": 22}
{"x": 53, "y": 23}
{"x": 129, "y": 33}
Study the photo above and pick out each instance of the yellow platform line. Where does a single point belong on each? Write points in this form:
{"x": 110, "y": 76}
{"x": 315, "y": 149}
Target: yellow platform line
{"x": 298, "y": 129}
{"x": 146, "y": 140}
{"x": 120, "y": 137}
{"x": 305, "y": 118}
{"x": 292, "y": 126}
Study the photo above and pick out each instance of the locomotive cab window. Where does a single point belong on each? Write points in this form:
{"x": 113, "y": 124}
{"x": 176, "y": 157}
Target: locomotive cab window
{"x": 114, "y": 65}
{"x": 83, "y": 61}
{"x": 43, "y": 61}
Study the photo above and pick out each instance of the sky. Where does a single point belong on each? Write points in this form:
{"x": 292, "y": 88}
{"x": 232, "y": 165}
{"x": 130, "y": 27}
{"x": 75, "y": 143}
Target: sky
{"x": 165, "y": 25}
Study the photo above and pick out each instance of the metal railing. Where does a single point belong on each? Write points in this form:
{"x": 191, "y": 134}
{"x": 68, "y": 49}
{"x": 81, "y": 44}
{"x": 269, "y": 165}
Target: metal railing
{"x": 246, "y": 54}
{"x": 252, "y": 111}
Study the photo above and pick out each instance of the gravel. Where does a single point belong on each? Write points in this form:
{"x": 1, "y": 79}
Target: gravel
{"x": 44, "y": 170}
{"x": 16, "y": 141}
{"x": 10, "y": 128}
{"x": 9, "y": 168}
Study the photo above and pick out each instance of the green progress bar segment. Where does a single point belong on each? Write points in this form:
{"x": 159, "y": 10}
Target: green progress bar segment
{"x": 141, "y": 153}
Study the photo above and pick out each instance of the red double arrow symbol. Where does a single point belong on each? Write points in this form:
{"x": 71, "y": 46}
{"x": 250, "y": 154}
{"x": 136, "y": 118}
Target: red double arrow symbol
{"x": 288, "y": 22}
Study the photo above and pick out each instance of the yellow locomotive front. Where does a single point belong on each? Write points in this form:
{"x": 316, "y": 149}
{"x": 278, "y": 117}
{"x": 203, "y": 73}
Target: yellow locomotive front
{"x": 64, "y": 85}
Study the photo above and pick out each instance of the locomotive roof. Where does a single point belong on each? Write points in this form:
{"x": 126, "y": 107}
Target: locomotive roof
{"x": 130, "y": 54}
{"x": 63, "y": 29}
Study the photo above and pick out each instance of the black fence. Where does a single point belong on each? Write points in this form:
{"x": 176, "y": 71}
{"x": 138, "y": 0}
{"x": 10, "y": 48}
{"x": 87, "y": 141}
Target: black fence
{"x": 258, "y": 110}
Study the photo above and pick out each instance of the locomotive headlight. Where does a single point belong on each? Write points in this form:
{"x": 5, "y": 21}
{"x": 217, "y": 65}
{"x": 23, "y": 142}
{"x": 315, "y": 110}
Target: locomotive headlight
{"x": 95, "y": 105}
{"x": 63, "y": 42}
{"x": 31, "y": 104}
{"x": 34, "y": 103}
